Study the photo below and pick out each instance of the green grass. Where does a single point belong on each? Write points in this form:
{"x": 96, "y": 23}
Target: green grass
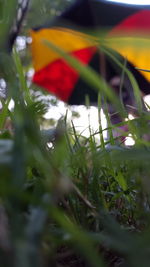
{"x": 77, "y": 203}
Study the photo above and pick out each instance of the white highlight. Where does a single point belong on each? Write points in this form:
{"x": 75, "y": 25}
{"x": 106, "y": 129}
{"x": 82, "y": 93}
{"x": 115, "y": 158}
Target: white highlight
{"x": 147, "y": 101}
{"x": 132, "y": 2}
{"x": 20, "y": 43}
{"x": 88, "y": 121}
{"x": 11, "y": 105}
{"x": 129, "y": 141}
{"x": 56, "y": 112}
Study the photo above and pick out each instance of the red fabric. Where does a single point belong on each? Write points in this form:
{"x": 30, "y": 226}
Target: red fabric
{"x": 59, "y": 78}
{"x": 138, "y": 22}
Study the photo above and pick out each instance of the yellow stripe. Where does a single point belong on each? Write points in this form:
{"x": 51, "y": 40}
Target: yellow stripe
{"x": 134, "y": 49}
{"x": 68, "y": 40}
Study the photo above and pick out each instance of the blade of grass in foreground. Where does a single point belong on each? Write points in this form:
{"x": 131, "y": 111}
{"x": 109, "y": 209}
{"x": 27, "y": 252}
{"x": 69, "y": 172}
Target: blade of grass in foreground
{"x": 21, "y": 76}
{"x": 102, "y": 142}
{"x": 4, "y": 112}
{"x": 6, "y": 21}
{"x": 110, "y": 132}
{"x": 78, "y": 238}
{"x": 130, "y": 76}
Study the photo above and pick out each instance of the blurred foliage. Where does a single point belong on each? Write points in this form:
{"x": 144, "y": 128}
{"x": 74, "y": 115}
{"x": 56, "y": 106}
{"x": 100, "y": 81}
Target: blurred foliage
{"x": 48, "y": 9}
{"x": 66, "y": 200}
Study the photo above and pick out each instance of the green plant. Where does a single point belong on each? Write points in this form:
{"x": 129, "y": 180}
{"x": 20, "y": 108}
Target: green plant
{"x": 76, "y": 203}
